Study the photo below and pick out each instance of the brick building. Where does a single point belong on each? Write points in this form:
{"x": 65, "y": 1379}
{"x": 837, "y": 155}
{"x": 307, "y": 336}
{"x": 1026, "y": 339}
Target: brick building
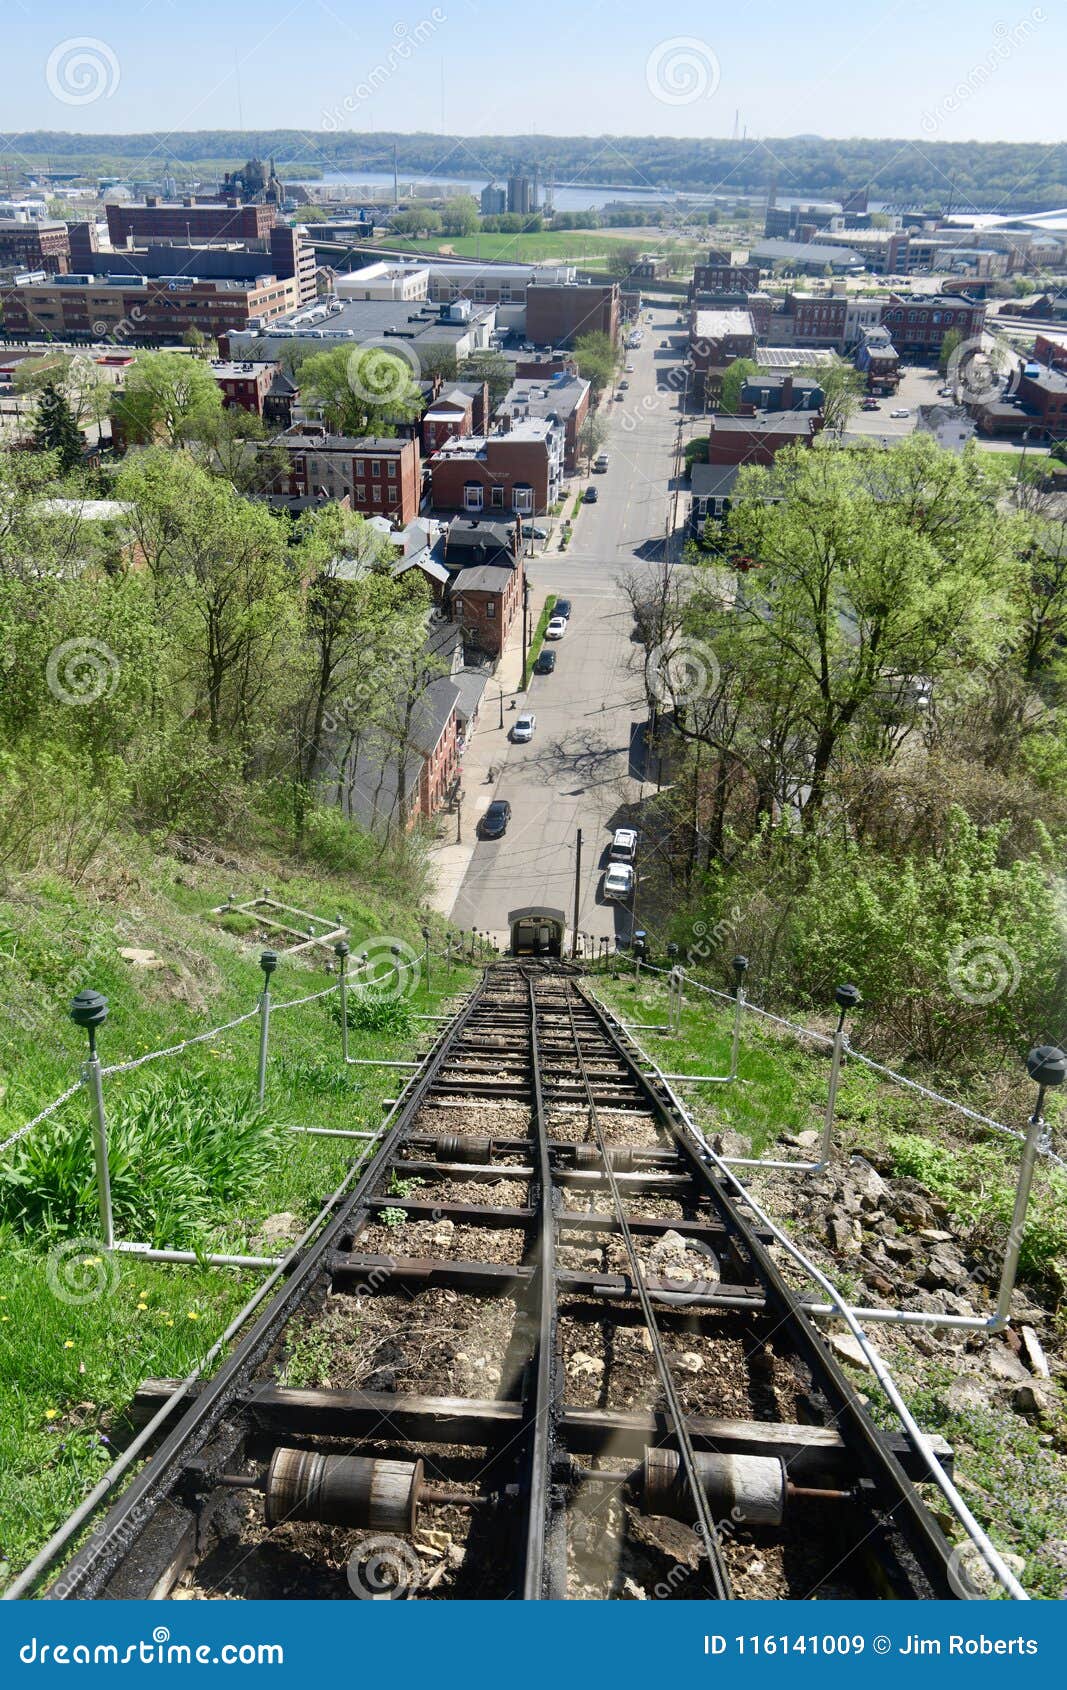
{"x": 141, "y": 311}
{"x": 726, "y": 278}
{"x": 517, "y": 471}
{"x": 485, "y": 600}
{"x": 192, "y": 220}
{"x": 563, "y": 398}
{"x": 758, "y": 439}
{"x": 381, "y": 477}
{"x": 486, "y": 581}
{"x": 1034, "y": 407}
{"x": 716, "y": 339}
{"x": 35, "y": 246}
{"x": 818, "y": 319}
{"x": 558, "y": 316}
{"x": 449, "y": 414}
{"x": 919, "y": 322}
{"x": 245, "y": 386}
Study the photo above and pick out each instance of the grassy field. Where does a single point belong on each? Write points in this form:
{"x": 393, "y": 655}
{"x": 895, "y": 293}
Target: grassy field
{"x": 577, "y": 246}
{"x": 193, "y": 1158}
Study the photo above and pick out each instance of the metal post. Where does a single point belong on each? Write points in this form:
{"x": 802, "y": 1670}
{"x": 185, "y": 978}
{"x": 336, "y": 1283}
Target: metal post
{"x": 740, "y": 965}
{"x": 426, "y": 942}
{"x": 89, "y": 1010}
{"x": 639, "y": 951}
{"x": 847, "y": 998}
{"x": 577, "y": 889}
{"x": 340, "y": 951}
{"x": 1048, "y": 1066}
{"x": 268, "y": 961}
{"x": 448, "y": 954}
{"x": 672, "y": 985}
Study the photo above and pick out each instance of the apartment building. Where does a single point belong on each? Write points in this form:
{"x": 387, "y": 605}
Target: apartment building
{"x": 191, "y": 220}
{"x": 919, "y": 322}
{"x": 37, "y": 245}
{"x": 142, "y": 311}
{"x": 517, "y": 471}
{"x": 379, "y": 476}
{"x": 558, "y": 316}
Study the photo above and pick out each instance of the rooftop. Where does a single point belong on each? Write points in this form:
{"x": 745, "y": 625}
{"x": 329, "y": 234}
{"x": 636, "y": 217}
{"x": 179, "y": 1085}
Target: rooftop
{"x": 547, "y": 396}
{"x": 716, "y": 325}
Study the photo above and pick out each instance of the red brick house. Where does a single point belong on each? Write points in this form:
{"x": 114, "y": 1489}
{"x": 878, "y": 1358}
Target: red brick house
{"x": 381, "y": 476}
{"x": 517, "y": 471}
{"x": 451, "y": 413}
{"x": 758, "y": 439}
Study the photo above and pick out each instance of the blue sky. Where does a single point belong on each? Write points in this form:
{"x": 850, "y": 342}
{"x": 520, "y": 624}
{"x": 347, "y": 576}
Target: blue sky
{"x": 950, "y": 69}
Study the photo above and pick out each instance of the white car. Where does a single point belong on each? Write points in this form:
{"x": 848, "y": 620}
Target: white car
{"x": 523, "y": 728}
{"x": 556, "y": 628}
{"x": 900, "y": 413}
{"x": 629, "y": 369}
{"x": 618, "y": 880}
{"x": 624, "y": 845}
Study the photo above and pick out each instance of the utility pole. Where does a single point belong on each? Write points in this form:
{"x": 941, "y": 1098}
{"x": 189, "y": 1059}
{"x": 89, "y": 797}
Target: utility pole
{"x": 577, "y": 891}
{"x": 525, "y": 623}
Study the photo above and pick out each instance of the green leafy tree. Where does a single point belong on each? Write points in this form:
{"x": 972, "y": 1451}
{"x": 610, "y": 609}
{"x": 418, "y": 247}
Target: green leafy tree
{"x": 55, "y": 429}
{"x": 598, "y": 360}
{"x": 949, "y": 343}
{"x": 167, "y": 395}
{"x": 360, "y": 390}
{"x": 460, "y": 215}
{"x": 488, "y": 366}
{"x": 842, "y": 389}
{"x": 734, "y": 379}
{"x": 878, "y": 573}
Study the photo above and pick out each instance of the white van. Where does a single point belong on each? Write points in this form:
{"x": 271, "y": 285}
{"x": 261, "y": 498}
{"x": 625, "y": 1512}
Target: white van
{"x": 600, "y": 463}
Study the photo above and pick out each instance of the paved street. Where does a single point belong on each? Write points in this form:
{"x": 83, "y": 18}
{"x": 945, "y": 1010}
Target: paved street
{"x": 577, "y": 772}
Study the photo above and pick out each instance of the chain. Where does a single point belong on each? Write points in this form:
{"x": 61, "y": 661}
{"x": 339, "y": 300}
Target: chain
{"x": 294, "y": 1003}
{"x": 43, "y": 1116}
{"x": 175, "y": 1050}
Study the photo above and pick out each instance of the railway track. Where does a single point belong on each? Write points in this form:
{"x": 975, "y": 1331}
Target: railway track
{"x": 539, "y": 1352}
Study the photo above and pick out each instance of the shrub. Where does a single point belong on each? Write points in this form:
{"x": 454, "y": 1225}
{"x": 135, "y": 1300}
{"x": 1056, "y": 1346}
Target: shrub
{"x": 177, "y": 1151}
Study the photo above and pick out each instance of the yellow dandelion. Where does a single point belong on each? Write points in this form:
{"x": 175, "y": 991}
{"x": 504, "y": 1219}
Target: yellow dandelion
{"x": 51, "y": 1414}
{"x": 4, "y": 1317}
{"x": 69, "y": 1345}
{"x": 192, "y": 1315}
{"x": 93, "y": 1261}
{"x": 142, "y": 1305}
{"x": 168, "y": 1322}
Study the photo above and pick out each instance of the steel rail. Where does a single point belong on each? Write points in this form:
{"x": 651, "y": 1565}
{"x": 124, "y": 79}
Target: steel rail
{"x": 708, "y": 1530}
{"x": 91, "y": 1568}
{"x": 928, "y": 1546}
{"x": 544, "y": 1403}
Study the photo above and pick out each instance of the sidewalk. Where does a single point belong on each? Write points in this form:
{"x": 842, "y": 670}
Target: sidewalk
{"x": 486, "y": 749}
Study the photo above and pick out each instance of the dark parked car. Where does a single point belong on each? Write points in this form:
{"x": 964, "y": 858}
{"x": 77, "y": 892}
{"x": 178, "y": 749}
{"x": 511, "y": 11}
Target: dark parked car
{"x": 496, "y": 818}
{"x": 562, "y": 607}
{"x": 591, "y": 495}
{"x": 545, "y": 664}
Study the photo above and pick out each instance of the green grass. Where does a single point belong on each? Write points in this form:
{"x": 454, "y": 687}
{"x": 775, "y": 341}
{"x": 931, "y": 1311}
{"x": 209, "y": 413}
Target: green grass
{"x": 196, "y": 1164}
{"x": 972, "y": 1170}
{"x": 568, "y": 246}
{"x": 538, "y": 639}
{"x": 782, "y": 1089}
